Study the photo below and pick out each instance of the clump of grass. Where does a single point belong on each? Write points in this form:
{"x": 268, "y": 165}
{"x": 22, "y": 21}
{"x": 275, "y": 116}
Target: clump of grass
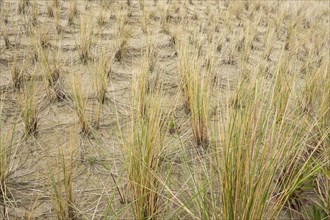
{"x": 50, "y": 11}
{"x": 151, "y": 55}
{"x": 121, "y": 50}
{"x": 35, "y": 47}
{"x": 314, "y": 103}
{"x": 175, "y": 37}
{"x": 143, "y": 151}
{"x": 291, "y": 32}
{"x": 308, "y": 102}
{"x": 57, "y": 17}
{"x": 248, "y": 37}
{"x": 44, "y": 38}
{"x": 210, "y": 63}
{"x": 86, "y": 39}
{"x": 40, "y": 38}
{"x": 210, "y": 32}
{"x": 29, "y": 111}
{"x": 72, "y": 11}
{"x": 231, "y": 154}
{"x": 164, "y": 19}
{"x": 123, "y": 36}
{"x": 56, "y": 3}
{"x": 62, "y": 186}
{"x": 140, "y": 91}
{"x": 322, "y": 189}
{"x": 230, "y": 58}
{"x": 16, "y": 74}
{"x": 6, "y": 36}
{"x": 101, "y": 18}
{"x": 268, "y": 44}
{"x": 198, "y": 105}
{"x": 282, "y": 88}
{"x": 144, "y": 21}
{"x": 323, "y": 111}
{"x": 23, "y": 6}
{"x": 195, "y": 89}
{"x": 102, "y": 68}
{"x": 105, "y": 4}
{"x": 34, "y": 13}
{"x": 314, "y": 95}
{"x": 250, "y": 158}
{"x": 53, "y": 74}
{"x": 6, "y": 162}
{"x": 246, "y": 84}
{"x": 79, "y": 106}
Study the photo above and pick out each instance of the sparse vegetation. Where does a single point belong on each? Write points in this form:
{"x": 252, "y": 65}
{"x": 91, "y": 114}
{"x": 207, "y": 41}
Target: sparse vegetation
{"x": 80, "y": 105}
{"x": 17, "y": 74}
{"x": 86, "y": 39}
{"x": 29, "y": 109}
{"x": 72, "y": 11}
{"x": 102, "y": 69}
{"x": 50, "y": 65}
{"x": 23, "y": 6}
{"x": 164, "y": 109}
{"x": 6, "y": 164}
{"x": 61, "y": 181}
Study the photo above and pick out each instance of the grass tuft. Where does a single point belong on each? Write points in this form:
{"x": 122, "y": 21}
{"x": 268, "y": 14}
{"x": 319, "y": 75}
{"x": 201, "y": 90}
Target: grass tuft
{"x": 6, "y": 164}
{"x": 79, "y": 106}
{"x": 29, "y": 109}
{"x": 143, "y": 150}
{"x": 195, "y": 90}
{"x": 62, "y": 186}
{"x": 23, "y": 6}
{"x": 86, "y": 39}
{"x": 102, "y": 70}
